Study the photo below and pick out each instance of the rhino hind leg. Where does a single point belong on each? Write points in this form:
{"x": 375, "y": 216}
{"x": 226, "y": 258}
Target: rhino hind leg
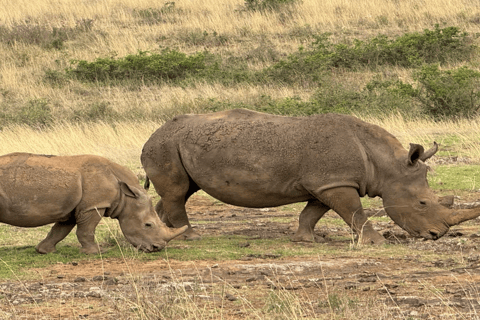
{"x": 86, "y": 230}
{"x": 174, "y": 215}
{"x": 174, "y": 188}
{"x": 346, "y": 203}
{"x": 313, "y": 211}
{"x": 58, "y": 232}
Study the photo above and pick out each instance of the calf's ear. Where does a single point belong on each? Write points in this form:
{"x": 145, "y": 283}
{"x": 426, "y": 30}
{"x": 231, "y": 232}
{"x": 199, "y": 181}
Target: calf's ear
{"x": 125, "y": 188}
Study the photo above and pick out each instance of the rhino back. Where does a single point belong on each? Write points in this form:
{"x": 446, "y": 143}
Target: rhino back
{"x": 35, "y": 190}
{"x": 241, "y": 154}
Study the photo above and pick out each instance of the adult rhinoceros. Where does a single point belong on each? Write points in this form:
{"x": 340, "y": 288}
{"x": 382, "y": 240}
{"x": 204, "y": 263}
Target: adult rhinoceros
{"x": 252, "y": 159}
{"x": 36, "y": 190}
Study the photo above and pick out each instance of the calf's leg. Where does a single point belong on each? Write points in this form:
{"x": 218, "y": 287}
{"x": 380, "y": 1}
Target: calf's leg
{"x": 86, "y": 230}
{"x": 58, "y": 232}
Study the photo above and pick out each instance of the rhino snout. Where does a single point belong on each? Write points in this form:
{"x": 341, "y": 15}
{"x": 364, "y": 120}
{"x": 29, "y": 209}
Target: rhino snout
{"x": 152, "y": 247}
{"x": 433, "y": 234}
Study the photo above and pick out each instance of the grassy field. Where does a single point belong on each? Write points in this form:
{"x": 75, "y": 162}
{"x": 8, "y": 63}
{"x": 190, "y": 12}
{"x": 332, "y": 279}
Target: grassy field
{"x": 44, "y": 109}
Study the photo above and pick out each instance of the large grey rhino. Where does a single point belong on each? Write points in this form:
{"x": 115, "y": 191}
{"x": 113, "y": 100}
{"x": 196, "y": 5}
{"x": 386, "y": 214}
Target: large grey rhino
{"x": 252, "y": 159}
{"x": 36, "y": 190}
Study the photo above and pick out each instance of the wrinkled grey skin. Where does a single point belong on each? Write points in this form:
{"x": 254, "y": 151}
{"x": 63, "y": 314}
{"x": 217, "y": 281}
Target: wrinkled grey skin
{"x": 257, "y": 160}
{"x": 36, "y": 190}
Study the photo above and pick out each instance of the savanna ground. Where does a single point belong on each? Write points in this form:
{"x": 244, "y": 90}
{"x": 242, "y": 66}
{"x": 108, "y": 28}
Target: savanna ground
{"x": 244, "y": 266}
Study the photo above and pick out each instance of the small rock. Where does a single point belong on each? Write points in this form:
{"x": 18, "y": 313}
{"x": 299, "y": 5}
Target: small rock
{"x": 230, "y": 297}
{"x": 350, "y": 285}
{"x": 74, "y": 263}
{"x": 80, "y": 279}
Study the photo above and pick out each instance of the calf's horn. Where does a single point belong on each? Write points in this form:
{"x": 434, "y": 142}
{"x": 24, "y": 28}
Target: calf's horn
{"x": 170, "y": 233}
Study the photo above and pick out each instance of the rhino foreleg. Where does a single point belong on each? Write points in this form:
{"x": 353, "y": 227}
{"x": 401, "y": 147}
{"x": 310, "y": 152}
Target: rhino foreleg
{"x": 309, "y": 217}
{"x": 58, "y": 232}
{"x": 346, "y": 203}
{"x": 86, "y": 230}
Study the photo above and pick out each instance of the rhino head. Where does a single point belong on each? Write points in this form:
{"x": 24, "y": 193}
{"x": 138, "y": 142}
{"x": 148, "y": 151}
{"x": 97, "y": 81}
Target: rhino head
{"x": 410, "y": 202}
{"x": 140, "y": 223}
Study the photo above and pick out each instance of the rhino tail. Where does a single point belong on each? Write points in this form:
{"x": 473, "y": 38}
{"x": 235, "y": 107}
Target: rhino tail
{"x": 146, "y": 185}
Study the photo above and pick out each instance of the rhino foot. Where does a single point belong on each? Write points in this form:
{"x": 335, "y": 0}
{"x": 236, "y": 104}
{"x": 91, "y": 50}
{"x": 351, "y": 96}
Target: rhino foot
{"x": 91, "y": 250}
{"x": 372, "y": 238}
{"x": 308, "y": 237}
{"x": 44, "y": 249}
{"x": 189, "y": 235}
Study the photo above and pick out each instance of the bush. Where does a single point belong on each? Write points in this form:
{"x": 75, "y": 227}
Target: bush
{"x": 450, "y": 93}
{"x": 409, "y": 50}
{"x": 101, "y": 111}
{"x": 37, "y": 113}
{"x": 165, "y": 66}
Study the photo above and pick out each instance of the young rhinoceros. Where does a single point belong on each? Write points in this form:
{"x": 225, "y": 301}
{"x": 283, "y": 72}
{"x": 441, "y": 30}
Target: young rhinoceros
{"x": 36, "y": 190}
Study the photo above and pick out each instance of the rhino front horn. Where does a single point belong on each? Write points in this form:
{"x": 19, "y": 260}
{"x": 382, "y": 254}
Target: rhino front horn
{"x": 170, "y": 233}
{"x": 459, "y": 216}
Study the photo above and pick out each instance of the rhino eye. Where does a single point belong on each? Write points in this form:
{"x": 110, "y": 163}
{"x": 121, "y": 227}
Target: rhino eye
{"x": 423, "y": 203}
{"x": 148, "y": 225}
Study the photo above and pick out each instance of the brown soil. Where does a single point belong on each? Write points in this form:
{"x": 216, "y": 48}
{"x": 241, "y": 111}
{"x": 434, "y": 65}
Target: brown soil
{"x": 325, "y": 287}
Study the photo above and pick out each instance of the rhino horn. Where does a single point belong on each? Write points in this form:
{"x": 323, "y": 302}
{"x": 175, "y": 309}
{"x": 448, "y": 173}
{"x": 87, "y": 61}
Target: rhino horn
{"x": 429, "y": 153}
{"x": 170, "y": 233}
{"x": 459, "y": 216}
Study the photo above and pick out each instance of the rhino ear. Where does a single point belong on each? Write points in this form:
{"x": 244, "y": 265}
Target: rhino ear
{"x": 415, "y": 153}
{"x": 125, "y": 188}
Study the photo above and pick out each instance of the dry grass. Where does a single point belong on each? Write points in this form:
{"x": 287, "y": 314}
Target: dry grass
{"x": 123, "y": 141}
{"x": 119, "y": 28}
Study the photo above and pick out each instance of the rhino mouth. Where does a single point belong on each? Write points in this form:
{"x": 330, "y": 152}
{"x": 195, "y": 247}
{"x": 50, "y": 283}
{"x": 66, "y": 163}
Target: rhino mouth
{"x": 150, "y": 248}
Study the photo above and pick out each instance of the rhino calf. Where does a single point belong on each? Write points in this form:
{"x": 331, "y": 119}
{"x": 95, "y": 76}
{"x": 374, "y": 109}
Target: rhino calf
{"x": 329, "y": 161}
{"x": 36, "y": 190}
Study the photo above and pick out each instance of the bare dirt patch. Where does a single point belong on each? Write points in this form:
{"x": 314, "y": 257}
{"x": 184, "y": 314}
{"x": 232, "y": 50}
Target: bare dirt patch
{"x": 262, "y": 286}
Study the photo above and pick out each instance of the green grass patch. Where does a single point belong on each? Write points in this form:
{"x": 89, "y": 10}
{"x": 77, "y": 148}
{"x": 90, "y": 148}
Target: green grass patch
{"x": 465, "y": 177}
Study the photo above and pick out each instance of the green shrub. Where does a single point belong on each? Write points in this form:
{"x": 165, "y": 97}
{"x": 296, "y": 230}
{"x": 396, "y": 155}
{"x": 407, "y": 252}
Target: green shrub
{"x": 449, "y": 93}
{"x": 145, "y": 66}
{"x": 36, "y": 113}
{"x": 409, "y": 50}
{"x": 101, "y": 111}
{"x": 198, "y": 37}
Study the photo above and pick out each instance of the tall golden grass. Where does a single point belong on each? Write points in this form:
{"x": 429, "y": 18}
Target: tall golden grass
{"x": 123, "y": 141}
{"x": 119, "y": 29}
